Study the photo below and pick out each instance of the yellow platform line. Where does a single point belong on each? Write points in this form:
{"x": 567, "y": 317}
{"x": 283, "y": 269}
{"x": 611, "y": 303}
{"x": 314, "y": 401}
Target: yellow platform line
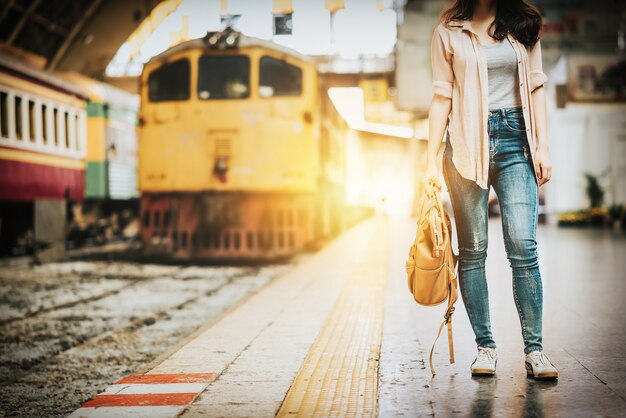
{"x": 339, "y": 376}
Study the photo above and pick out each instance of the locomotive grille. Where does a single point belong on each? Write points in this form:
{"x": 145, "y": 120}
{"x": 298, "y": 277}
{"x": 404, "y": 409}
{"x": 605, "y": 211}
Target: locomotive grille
{"x": 222, "y": 147}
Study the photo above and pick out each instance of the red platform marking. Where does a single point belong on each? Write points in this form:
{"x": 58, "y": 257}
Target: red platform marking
{"x": 153, "y": 399}
{"x": 169, "y": 378}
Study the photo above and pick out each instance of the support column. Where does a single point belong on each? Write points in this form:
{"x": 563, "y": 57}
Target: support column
{"x": 50, "y": 219}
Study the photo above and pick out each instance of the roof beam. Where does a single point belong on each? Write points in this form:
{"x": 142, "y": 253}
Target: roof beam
{"x": 5, "y": 10}
{"x": 73, "y": 33}
{"x": 18, "y": 28}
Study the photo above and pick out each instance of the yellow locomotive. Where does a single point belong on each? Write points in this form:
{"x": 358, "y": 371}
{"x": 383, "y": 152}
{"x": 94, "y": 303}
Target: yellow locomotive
{"x": 241, "y": 152}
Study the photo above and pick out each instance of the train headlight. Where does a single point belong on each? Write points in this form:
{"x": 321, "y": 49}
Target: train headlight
{"x": 230, "y": 41}
{"x": 227, "y": 38}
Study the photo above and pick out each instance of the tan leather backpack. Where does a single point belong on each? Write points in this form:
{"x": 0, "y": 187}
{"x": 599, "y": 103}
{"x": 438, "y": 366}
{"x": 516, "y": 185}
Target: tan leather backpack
{"x": 431, "y": 263}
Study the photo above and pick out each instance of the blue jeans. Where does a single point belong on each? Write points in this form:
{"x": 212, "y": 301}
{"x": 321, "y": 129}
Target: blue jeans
{"x": 511, "y": 175}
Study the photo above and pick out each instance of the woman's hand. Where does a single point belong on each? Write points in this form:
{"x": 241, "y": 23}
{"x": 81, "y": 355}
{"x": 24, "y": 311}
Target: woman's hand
{"x": 543, "y": 166}
{"x": 431, "y": 175}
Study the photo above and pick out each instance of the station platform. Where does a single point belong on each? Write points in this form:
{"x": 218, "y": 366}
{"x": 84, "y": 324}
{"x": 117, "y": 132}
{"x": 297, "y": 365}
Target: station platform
{"x": 339, "y": 335}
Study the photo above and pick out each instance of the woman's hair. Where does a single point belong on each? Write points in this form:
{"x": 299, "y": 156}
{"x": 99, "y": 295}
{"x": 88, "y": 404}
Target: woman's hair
{"x": 517, "y": 17}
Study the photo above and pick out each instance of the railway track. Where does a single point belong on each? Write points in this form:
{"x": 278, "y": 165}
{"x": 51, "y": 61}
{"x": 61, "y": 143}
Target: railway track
{"x": 42, "y": 310}
{"x": 80, "y": 327}
{"x": 87, "y": 352}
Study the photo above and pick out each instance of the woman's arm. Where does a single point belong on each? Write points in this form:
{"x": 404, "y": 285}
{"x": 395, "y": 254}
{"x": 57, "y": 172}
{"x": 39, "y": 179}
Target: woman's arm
{"x": 441, "y": 104}
{"x": 437, "y": 121}
{"x": 543, "y": 166}
{"x": 540, "y": 112}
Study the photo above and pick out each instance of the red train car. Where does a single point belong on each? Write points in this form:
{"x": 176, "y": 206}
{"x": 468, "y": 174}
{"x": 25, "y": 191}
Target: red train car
{"x": 42, "y": 143}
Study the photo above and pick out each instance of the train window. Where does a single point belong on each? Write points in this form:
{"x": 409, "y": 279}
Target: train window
{"x": 146, "y": 219}
{"x": 77, "y": 132}
{"x": 292, "y": 239}
{"x": 183, "y": 240}
{"x": 227, "y": 239}
{"x": 277, "y": 78}
{"x": 170, "y": 82}
{"x": 4, "y": 114}
{"x": 18, "y": 117}
{"x": 44, "y": 124}
{"x": 281, "y": 239}
{"x": 223, "y": 77}
{"x": 66, "y": 123}
{"x": 280, "y": 217}
{"x": 32, "y": 118}
{"x": 55, "y": 125}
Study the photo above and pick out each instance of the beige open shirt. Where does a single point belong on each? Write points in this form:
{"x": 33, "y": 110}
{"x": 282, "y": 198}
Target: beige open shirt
{"x": 460, "y": 73}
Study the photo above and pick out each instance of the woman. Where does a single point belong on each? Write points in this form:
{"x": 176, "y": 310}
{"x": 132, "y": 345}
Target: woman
{"x": 488, "y": 80}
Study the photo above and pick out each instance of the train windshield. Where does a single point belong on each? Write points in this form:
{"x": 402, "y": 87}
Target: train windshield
{"x": 224, "y": 77}
{"x": 170, "y": 82}
{"x": 278, "y": 78}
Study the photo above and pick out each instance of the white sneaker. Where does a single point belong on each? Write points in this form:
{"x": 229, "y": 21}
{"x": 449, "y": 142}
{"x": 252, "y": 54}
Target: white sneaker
{"x": 485, "y": 363}
{"x": 539, "y": 366}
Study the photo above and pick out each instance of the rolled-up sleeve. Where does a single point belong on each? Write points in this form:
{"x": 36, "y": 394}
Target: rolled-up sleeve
{"x": 441, "y": 61}
{"x": 537, "y": 76}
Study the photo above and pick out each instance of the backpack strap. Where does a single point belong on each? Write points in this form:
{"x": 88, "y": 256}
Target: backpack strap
{"x": 450, "y": 341}
{"x": 447, "y": 320}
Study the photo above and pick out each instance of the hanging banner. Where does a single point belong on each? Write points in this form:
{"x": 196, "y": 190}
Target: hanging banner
{"x": 381, "y": 5}
{"x": 141, "y": 34}
{"x": 333, "y": 5}
{"x": 282, "y": 7}
{"x": 181, "y": 35}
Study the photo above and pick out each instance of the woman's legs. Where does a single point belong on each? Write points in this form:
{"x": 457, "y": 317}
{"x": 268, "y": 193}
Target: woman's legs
{"x": 511, "y": 173}
{"x": 514, "y": 183}
{"x": 469, "y": 203}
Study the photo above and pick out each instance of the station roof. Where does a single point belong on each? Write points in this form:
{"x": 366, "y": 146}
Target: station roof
{"x": 76, "y": 35}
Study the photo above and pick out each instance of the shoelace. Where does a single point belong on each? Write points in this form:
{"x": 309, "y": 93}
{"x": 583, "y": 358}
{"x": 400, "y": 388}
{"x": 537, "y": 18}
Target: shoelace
{"x": 486, "y": 352}
{"x": 542, "y": 358}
